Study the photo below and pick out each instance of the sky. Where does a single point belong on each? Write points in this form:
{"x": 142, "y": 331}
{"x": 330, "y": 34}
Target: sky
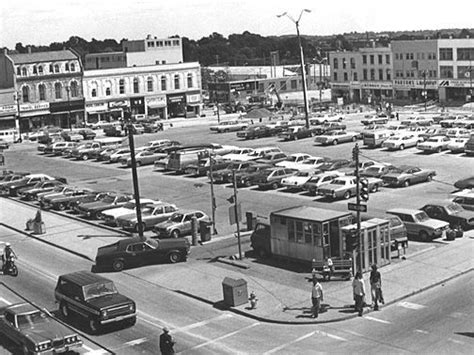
{"x": 45, "y": 21}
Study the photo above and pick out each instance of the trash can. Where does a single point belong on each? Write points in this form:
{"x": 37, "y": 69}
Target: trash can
{"x": 205, "y": 230}
{"x": 235, "y": 291}
{"x": 251, "y": 220}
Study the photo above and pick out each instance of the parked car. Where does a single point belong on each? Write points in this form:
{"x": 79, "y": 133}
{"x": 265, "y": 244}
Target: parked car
{"x": 457, "y": 145}
{"x": 434, "y": 144}
{"x": 145, "y": 157}
{"x": 151, "y": 215}
{"x": 247, "y": 176}
{"x": 319, "y": 119}
{"x": 179, "y": 224}
{"x": 71, "y": 136}
{"x": 320, "y": 179}
{"x": 95, "y": 299}
{"x": 87, "y": 133}
{"x": 60, "y": 147}
{"x": 31, "y": 193}
{"x": 345, "y": 187}
{"x": 271, "y": 178}
{"x": 407, "y": 175}
{"x": 373, "y": 119}
{"x": 114, "y": 131}
{"x": 418, "y": 121}
{"x": 451, "y": 212}
{"x": 465, "y": 199}
{"x": 203, "y": 167}
{"x": 4, "y": 144}
{"x": 467, "y": 183}
{"x": 117, "y": 155}
{"x": 136, "y": 128}
{"x": 296, "y": 132}
{"x": 229, "y": 126}
{"x": 309, "y": 164}
{"x": 435, "y": 131}
{"x": 62, "y": 202}
{"x": 93, "y": 208}
{"x": 13, "y": 187}
{"x": 258, "y": 153}
{"x": 297, "y": 181}
{"x": 294, "y": 161}
{"x": 336, "y": 137}
{"x": 401, "y": 141}
{"x": 225, "y": 175}
{"x": 335, "y": 164}
{"x": 36, "y": 332}
{"x": 451, "y": 121}
{"x": 133, "y": 252}
{"x": 377, "y": 170}
{"x": 238, "y": 154}
{"x": 272, "y": 158}
{"x": 419, "y": 224}
{"x": 256, "y": 131}
{"x": 110, "y": 216}
{"x": 328, "y": 127}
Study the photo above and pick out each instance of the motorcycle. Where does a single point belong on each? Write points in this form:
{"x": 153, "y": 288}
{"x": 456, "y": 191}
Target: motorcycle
{"x": 9, "y": 268}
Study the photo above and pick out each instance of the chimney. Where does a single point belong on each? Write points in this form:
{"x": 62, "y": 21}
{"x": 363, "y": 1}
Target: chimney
{"x": 29, "y": 49}
{"x": 148, "y": 37}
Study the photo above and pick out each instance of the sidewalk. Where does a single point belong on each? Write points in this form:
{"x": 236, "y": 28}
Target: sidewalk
{"x": 283, "y": 295}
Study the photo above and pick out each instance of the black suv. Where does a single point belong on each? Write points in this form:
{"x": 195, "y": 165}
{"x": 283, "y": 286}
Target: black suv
{"x": 95, "y": 298}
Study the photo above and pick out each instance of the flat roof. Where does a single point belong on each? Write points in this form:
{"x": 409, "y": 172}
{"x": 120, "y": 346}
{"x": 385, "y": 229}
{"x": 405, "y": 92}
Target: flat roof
{"x": 310, "y": 213}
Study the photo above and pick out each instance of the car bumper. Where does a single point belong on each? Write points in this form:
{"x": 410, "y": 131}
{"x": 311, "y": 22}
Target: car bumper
{"x": 118, "y": 319}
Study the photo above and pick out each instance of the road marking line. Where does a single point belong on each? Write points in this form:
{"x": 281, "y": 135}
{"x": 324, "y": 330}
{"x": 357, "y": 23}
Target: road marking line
{"x": 456, "y": 341}
{"x": 421, "y": 331}
{"x": 199, "y": 324}
{"x": 330, "y": 335}
{"x": 281, "y": 347}
{"x": 457, "y": 315}
{"x": 136, "y": 341}
{"x": 353, "y": 333}
{"x": 377, "y": 320}
{"x": 410, "y": 305}
{"x": 224, "y": 336}
{"x": 5, "y": 301}
{"x": 91, "y": 351}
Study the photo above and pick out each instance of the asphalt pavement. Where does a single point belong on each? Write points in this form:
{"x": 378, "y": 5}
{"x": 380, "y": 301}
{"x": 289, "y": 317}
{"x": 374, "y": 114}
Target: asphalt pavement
{"x": 283, "y": 294}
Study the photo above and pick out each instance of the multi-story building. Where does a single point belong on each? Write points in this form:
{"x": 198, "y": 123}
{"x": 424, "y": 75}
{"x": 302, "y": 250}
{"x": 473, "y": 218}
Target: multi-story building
{"x": 47, "y": 85}
{"x": 8, "y": 108}
{"x": 165, "y": 90}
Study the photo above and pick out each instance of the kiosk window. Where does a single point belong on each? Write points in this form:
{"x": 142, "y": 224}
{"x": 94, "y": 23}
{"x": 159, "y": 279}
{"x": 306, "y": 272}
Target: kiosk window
{"x": 291, "y": 231}
{"x": 308, "y": 232}
{"x": 318, "y": 241}
{"x": 299, "y": 232}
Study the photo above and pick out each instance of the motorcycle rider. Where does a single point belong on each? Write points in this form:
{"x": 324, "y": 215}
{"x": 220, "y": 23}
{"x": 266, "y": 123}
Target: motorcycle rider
{"x": 8, "y": 255}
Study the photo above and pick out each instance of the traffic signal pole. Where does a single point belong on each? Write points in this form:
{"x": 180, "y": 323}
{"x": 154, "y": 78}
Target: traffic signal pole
{"x": 356, "y": 254}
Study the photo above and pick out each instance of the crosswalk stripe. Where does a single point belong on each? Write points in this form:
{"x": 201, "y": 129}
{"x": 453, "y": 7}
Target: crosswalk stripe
{"x": 410, "y": 305}
{"x": 278, "y": 348}
{"x": 224, "y": 336}
{"x": 377, "y": 320}
{"x": 200, "y": 324}
{"x": 421, "y": 331}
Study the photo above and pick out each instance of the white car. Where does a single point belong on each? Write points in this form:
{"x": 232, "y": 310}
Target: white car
{"x": 110, "y": 216}
{"x": 294, "y": 160}
{"x": 120, "y": 153}
{"x": 401, "y": 141}
{"x": 318, "y": 180}
{"x": 260, "y": 153}
{"x": 336, "y": 137}
{"x": 238, "y": 154}
{"x": 297, "y": 181}
{"x": 312, "y": 163}
{"x": 457, "y": 145}
{"x": 434, "y": 144}
{"x": 320, "y": 119}
{"x": 158, "y": 143}
{"x": 220, "y": 149}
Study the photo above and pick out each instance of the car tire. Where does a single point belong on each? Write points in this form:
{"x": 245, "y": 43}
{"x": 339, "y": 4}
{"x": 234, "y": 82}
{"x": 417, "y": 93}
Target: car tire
{"x": 406, "y": 183}
{"x": 334, "y": 142}
{"x": 118, "y": 265}
{"x": 64, "y": 310}
{"x": 247, "y": 183}
{"x": 62, "y": 206}
{"x": 424, "y": 237}
{"x": 353, "y": 139}
{"x": 375, "y": 188}
{"x": 175, "y": 233}
{"x": 25, "y": 350}
{"x": 429, "y": 178}
{"x": 139, "y": 163}
{"x": 174, "y": 257}
{"x": 275, "y": 185}
{"x": 402, "y": 146}
{"x": 439, "y": 150}
{"x": 340, "y": 119}
{"x": 85, "y": 156}
{"x": 347, "y": 195}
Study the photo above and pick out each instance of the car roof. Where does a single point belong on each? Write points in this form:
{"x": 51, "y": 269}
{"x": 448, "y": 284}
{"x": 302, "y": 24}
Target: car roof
{"x": 22, "y": 308}
{"x": 83, "y": 278}
{"x": 403, "y": 210}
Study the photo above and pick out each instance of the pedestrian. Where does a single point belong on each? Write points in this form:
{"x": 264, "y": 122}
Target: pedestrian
{"x": 166, "y": 342}
{"x": 376, "y": 287}
{"x": 358, "y": 288}
{"x": 316, "y": 297}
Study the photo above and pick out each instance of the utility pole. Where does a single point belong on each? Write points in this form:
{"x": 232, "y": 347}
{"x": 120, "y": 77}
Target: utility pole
{"x": 236, "y": 211}
{"x": 355, "y": 153}
{"x": 136, "y": 192}
{"x": 213, "y": 199}
{"x": 68, "y": 108}
{"x": 17, "y": 121}
{"x": 425, "y": 94}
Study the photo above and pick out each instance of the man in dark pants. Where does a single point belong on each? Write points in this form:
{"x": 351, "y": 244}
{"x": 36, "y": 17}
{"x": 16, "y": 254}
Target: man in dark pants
{"x": 316, "y": 297}
{"x": 166, "y": 342}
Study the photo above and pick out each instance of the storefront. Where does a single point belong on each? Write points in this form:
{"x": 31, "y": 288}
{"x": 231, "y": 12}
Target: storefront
{"x": 176, "y": 105}
{"x": 68, "y": 114}
{"x": 116, "y": 109}
{"x": 416, "y": 90}
{"x": 96, "y": 111}
{"x": 193, "y": 104}
{"x": 340, "y": 90}
{"x": 33, "y": 116}
{"x": 8, "y": 115}
{"x": 156, "y": 106}
{"x": 456, "y": 90}
{"x": 137, "y": 105}
{"x": 375, "y": 92}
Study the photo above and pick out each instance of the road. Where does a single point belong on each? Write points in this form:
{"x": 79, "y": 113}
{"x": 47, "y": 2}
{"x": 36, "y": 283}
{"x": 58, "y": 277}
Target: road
{"x": 436, "y": 321}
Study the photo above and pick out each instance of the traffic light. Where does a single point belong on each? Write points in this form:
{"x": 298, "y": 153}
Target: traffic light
{"x": 364, "y": 189}
{"x": 352, "y": 240}
{"x": 355, "y": 153}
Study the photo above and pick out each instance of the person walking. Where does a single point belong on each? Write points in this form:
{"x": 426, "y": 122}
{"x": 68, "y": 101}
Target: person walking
{"x": 316, "y": 297}
{"x": 376, "y": 287}
{"x": 358, "y": 288}
{"x": 166, "y": 342}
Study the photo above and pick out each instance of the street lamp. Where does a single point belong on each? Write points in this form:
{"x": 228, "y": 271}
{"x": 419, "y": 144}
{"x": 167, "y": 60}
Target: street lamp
{"x": 68, "y": 89}
{"x": 303, "y": 71}
{"x": 424, "y": 93}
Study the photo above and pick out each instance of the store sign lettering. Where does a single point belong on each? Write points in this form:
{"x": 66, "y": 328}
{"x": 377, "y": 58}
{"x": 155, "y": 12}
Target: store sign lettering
{"x": 34, "y": 107}
{"x": 8, "y": 109}
{"x": 194, "y": 98}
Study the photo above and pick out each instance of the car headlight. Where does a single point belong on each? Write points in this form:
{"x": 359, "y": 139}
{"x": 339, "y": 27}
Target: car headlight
{"x": 103, "y": 314}
{"x": 72, "y": 339}
{"x": 43, "y": 346}
{"x": 132, "y": 307}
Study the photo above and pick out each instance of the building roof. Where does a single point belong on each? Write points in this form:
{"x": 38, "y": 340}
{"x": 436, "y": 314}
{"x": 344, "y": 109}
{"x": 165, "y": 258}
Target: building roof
{"x": 95, "y": 73}
{"x": 310, "y": 213}
{"x": 24, "y": 58}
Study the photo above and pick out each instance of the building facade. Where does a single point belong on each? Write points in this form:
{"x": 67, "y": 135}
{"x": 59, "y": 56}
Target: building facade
{"x": 47, "y": 87}
{"x": 165, "y": 90}
{"x": 153, "y": 50}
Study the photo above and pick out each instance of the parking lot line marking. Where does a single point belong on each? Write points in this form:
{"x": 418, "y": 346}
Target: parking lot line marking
{"x": 410, "y": 305}
{"x": 200, "y": 324}
{"x": 5, "y": 301}
{"x": 377, "y": 320}
{"x": 281, "y": 347}
{"x": 212, "y": 341}
{"x": 456, "y": 341}
{"x": 330, "y": 335}
{"x": 421, "y": 331}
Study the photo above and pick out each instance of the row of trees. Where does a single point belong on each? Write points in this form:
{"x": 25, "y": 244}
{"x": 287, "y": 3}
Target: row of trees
{"x": 252, "y": 49}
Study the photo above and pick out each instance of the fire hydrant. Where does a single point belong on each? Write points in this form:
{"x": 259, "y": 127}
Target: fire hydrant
{"x": 253, "y": 300}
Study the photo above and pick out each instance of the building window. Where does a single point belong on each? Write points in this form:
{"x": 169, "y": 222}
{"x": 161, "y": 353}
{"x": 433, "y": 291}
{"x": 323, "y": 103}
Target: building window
{"x": 18, "y": 71}
{"x": 40, "y": 70}
{"x": 343, "y": 63}
{"x": 388, "y": 74}
{"x": 446, "y": 72}
{"x": 335, "y": 63}
{"x": 364, "y": 74}
{"x": 163, "y": 83}
{"x": 176, "y": 82}
{"x": 67, "y": 66}
{"x": 135, "y": 86}
{"x": 353, "y": 63}
{"x": 73, "y": 67}
{"x": 190, "y": 80}
{"x": 283, "y": 85}
{"x": 74, "y": 91}
{"x": 58, "y": 90}
{"x": 335, "y": 76}
{"x": 380, "y": 74}
{"x": 35, "y": 69}
{"x": 345, "y": 76}
{"x": 24, "y": 72}
{"x": 387, "y": 58}
{"x": 25, "y": 94}
{"x": 122, "y": 86}
{"x": 445, "y": 54}
{"x": 372, "y": 59}
{"x": 149, "y": 84}
{"x": 294, "y": 84}
{"x": 465, "y": 53}
{"x": 354, "y": 75}
{"x": 108, "y": 92}
{"x": 51, "y": 68}
{"x": 364, "y": 59}
{"x": 94, "y": 93}
{"x": 42, "y": 92}
{"x": 372, "y": 74}
{"x": 464, "y": 72}
{"x": 380, "y": 58}
{"x": 56, "y": 68}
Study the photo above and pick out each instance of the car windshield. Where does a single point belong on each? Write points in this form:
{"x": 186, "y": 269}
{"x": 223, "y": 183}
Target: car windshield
{"x": 108, "y": 199}
{"x": 38, "y": 184}
{"x": 292, "y": 158}
{"x": 303, "y": 173}
{"x": 339, "y": 182}
{"x": 315, "y": 179}
{"x": 99, "y": 289}
{"x": 454, "y": 208}
{"x": 177, "y": 217}
{"x": 31, "y": 319}
{"x": 421, "y": 217}
{"x": 433, "y": 140}
{"x": 372, "y": 170}
{"x": 130, "y": 205}
{"x": 58, "y": 189}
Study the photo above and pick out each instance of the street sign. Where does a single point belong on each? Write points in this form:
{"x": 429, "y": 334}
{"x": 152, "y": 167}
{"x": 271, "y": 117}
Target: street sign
{"x": 356, "y": 207}
{"x": 232, "y": 217}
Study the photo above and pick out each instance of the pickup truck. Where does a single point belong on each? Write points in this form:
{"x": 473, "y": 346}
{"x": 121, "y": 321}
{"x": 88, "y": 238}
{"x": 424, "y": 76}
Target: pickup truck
{"x": 345, "y": 187}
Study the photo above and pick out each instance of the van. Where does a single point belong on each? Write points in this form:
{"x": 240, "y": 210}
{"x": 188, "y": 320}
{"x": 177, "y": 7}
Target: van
{"x": 179, "y": 160}
{"x": 9, "y": 135}
{"x": 375, "y": 138}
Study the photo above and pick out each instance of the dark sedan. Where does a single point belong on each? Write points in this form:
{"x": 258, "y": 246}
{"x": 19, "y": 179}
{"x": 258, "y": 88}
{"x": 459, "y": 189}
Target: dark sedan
{"x": 92, "y": 209}
{"x": 451, "y": 212}
{"x": 44, "y": 186}
{"x": 407, "y": 175}
{"x": 63, "y": 201}
{"x": 467, "y": 183}
{"x": 335, "y": 164}
{"x": 256, "y": 131}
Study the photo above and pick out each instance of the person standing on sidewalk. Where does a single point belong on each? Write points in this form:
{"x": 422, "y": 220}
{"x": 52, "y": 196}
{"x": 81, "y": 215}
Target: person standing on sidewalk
{"x": 316, "y": 297}
{"x": 358, "y": 289}
{"x": 376, "y": 287}
{"x": 166, "y": 342}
